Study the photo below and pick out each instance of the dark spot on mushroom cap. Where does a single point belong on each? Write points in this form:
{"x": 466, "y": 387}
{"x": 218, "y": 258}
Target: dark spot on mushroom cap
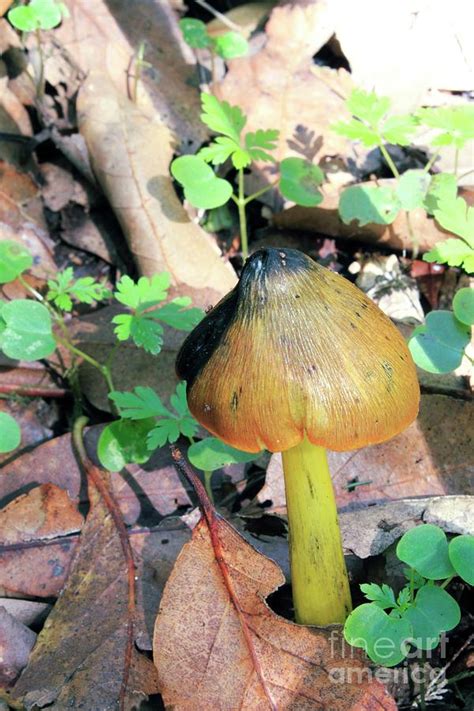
{"x": 234, "y": 403}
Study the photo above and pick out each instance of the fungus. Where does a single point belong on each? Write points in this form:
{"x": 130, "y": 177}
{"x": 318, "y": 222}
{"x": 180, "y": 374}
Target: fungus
{"x": 296, "y": 359}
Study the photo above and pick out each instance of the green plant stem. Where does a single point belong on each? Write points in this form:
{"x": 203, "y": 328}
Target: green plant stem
{"x": 446, "y": 582}
{"x": 240, "y": 201}
{"x": 456, "y": 162}
{"x": 414, "y": 239}
{"x": 40, "y": 85}
{"x": 33, "y": 292}
{"x": 389, "y": 160}
{"x": 104, "y": 369}
{"x": 412, "y": 584}
{"x": 139, "y": 64}
{"x": 208, "y": 484}
{"x": 431, "y": 162}
{"x": 262, "y": 191}
{"x": 225, "y": 20}
{"x": 422, "y": 690}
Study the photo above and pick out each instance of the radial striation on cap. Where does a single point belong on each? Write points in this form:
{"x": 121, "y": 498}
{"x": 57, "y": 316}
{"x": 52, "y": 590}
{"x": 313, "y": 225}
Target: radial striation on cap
{"x": 293, "y": 350}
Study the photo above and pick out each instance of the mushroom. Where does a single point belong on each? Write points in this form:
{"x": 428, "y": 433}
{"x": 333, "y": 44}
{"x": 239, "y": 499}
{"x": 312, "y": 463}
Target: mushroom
{"x": 296, "y": 359}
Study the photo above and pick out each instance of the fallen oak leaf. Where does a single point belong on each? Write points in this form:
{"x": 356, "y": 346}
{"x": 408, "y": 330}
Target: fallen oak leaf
{"x": 213, "y": 609}
{"x": 86, "y": 650}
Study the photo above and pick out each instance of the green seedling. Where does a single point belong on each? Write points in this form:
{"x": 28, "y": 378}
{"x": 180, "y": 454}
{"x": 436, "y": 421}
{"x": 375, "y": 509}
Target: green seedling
{"x": 391, "y": 625}
{"x": 36, "y": 16}
{"x": 34, "y": 328}
{"x": 299, "y": 180}
{"x": 229, "y": 45}
{"x": 374, "y": 126}
{"x": 211, "y": 453}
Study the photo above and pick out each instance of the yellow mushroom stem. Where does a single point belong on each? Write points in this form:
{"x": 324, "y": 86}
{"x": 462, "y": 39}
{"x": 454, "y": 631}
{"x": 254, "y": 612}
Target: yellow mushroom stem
{"x": 321, "y": 593}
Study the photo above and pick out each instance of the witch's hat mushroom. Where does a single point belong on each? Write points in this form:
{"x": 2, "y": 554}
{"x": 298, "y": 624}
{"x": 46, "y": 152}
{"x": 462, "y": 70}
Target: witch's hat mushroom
{"x": 296, "y": 359}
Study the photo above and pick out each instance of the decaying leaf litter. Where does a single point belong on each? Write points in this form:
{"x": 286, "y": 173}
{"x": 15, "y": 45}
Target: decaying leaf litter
{"x": 89, "y": 186}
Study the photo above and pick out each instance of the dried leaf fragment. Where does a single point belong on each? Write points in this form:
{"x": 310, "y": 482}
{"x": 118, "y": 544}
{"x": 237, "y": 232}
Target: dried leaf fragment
{"x": 218, "y": 645}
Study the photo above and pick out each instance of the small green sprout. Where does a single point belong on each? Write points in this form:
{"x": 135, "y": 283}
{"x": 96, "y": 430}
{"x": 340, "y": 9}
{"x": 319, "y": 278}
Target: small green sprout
{"x": 38, "y": 15}
{"x": 299, "y": 179}
{"x": 390, "y": 625}
{"x": 229, "y": 45}
{"x": 84, "y": 290}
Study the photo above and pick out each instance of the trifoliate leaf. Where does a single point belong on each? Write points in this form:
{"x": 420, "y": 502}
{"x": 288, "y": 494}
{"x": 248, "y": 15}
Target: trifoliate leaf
{"x": 258, "y": 143}
{"x": 140, "y": 404}
{"x": 85, "y": 290}
{"x": 454, "y": 252}
{"x": 383, "y": 596}
{"x": 143, "y": 329}
{"x": 10, "y": 433}
{"x": 399, "y": 130}
{"x": 201, "y": 186}
{"x": 219, "y": 150}
{"x": 14, "y": 260}
{"x": 231, "y": 45}
{"x": 299, "y": 181}
{"x": 195, "y": 33}
{"x": 411, "y": 188}
{"x": 356, "y": 130}
{"x": 124, "y": 442}
{"x": 369, "y": 203}
{"x": 28, "y": 331}
{"x": 221, "y": 117}
{"x": 176, "y": 314}
{"x": 368, "y": 106}
{"x": 455, "y": 123}
{"x": 210, "y": 454}
{"x": 438, "y": 346}
{"x": 169, "y": 428}
{"x": 143, "y": 293}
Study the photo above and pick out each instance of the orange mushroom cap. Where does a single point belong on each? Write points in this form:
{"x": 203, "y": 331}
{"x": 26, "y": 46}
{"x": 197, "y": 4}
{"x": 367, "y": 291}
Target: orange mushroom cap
{"x": 296, "y": 350}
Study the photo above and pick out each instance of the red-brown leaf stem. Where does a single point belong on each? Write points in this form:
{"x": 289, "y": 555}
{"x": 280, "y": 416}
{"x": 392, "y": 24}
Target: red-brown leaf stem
{"x": 211, "y": 517}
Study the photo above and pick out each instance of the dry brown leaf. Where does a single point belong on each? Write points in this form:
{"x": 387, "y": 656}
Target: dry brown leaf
{"x": 325, "y": 219}
{"x": 44, "y": 512}
{"x": 86, "y": 649}
{"x": 28, "y": 612}
{"x": 16, "y": 642}
{"x": 131, "y": 152}
{"x": 280, "y": 86}
{"x": 105, "y": 38}
{"x": 432, "y": 456}
{"x": 217, "y": 645}
{"x": 148, "y": 495}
